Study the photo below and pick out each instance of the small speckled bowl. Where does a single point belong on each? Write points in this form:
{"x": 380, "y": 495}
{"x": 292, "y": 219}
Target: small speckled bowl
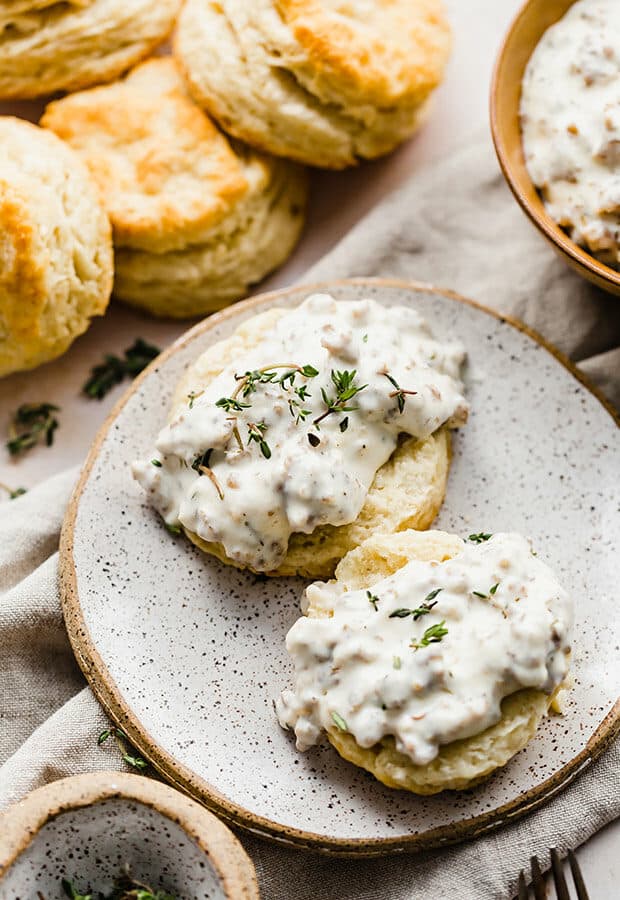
{"x": 535, "y": 17}
{"x": 88, "y": 827}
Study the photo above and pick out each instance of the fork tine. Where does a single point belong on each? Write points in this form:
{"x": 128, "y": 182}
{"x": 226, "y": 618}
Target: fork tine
{"x": 561, "y": 887}
{"x": 538, "y": 882}
{"x": 523, "y": 886}
{"x": 580, "y": 887}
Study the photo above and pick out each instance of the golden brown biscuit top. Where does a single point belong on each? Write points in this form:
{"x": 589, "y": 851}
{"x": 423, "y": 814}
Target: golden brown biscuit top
{"x": 21, "y": 13}
{"x": 164, "y": 171}
{"x": 384, "y": 51}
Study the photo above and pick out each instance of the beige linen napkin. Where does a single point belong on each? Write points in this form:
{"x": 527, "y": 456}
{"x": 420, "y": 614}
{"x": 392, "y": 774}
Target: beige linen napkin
{"x": 454, "y": 225}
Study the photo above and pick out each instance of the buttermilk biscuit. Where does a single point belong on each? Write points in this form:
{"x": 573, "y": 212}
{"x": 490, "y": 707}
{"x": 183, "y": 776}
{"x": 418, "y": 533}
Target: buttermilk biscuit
{"x": 55, "y": 247}
{"x": 46, "y": 46}
{"x": 461, "y": 764}
{"x": 324, "y": 83}
{"x": 407, "y": 491}
{"x": 196, "y": 218}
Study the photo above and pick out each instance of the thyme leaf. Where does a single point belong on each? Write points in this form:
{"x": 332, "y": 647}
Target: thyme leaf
{"x": 32, "y": 424}
{"x": 339, "y": 722}
{"x": 231, "y": 404}
{"x": 399, "y": 393}
{"x": 433, "y": 635}
{"x": 122, "y": 742}
{"x": 114, "y": 369}
{"x": 425, "y": 607}
{"x": 479, "y": 538}
{"x": 13, "y": 493}
{"x": 372, "y": 598}
{"x": 125, "y": 888}
{"x": 256, "y": 432}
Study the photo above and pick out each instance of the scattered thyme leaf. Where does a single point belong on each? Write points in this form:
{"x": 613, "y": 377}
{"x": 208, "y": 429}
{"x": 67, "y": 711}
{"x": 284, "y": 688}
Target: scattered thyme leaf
{"x": 122, "y": 742}
{"x": 13, "y": 493}
{"x": 365, "y": 339}
{"x": 396, "y": 662}
{"x": 256, "y": 432}
{"x": 433, "y": 635}
{"x": 479, "y": 538}
{"x": 372, "y": 598}
{"x": 136, "y": 762}
{"x": 344, "y": 424}
{"x": 32, "y": 424}
{"x": 313, "y": 439}
{"x": 173, "y": 529}
{"x": 309, "y": 371}
{"x": 193, "y": 395}
{"x": 72, "y": 893}
{"x": 114, "y": 369}
{"x": 339, "y": 722}
{"x": 431, "y": 596}
{"x": 156, "y": 463}
{"x": 481, "y": 595}
{"x": 230, "y": 404}
{"x": 125, "y": 888}
{"x": 493, "y": 589}
{"x": 399, "y": 393}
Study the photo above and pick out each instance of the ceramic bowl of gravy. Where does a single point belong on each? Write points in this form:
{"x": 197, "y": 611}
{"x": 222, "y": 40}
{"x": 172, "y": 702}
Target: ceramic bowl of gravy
{"x": 88, "y": 833}
{"x": 527, "y": 29}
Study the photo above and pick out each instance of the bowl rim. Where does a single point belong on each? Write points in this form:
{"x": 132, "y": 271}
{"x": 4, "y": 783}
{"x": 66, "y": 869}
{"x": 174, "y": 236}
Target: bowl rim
{"x": 579, "y": 257}
{"x": 119, "y": 711}
{"x": 21, "y": 823}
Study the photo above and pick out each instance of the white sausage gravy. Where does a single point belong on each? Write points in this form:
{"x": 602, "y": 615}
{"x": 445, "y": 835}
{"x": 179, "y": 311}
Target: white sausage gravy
{"x": 427, "y": 654}
{"x": 290, "y": 436}
{"x": 570, "y": 121}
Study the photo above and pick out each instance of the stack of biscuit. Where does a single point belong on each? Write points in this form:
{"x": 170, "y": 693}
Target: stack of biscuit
{"x": 197, "y": 217}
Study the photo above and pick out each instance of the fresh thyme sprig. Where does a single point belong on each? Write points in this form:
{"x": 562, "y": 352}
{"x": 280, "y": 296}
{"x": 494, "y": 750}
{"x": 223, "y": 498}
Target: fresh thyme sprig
{"x": 399, "y": 393}
{"x": 114, "y": 369}
{"x": 32, "y": 424}
{"x": 249, "y": 381}
{"x": 256, "y": 432}
{"x": 231, "y": 404}
{"x": 479, "y": 538}
{"x": 433, "y": 635}
{"x": 122, "y": 742}
{"x": 13, "y": 493}
{"x": 425, "y": 607}
{"x": 346, "y": 389}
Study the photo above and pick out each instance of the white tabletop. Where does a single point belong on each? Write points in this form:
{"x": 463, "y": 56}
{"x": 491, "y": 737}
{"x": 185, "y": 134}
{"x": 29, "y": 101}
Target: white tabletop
{"x": 338, "y": 201}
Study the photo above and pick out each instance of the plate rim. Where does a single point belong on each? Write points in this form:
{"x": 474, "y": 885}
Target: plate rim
{"x": 181, "y": 776}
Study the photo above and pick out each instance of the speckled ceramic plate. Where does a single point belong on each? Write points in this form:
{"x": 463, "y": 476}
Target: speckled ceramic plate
{"x": 187, "y": 654}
